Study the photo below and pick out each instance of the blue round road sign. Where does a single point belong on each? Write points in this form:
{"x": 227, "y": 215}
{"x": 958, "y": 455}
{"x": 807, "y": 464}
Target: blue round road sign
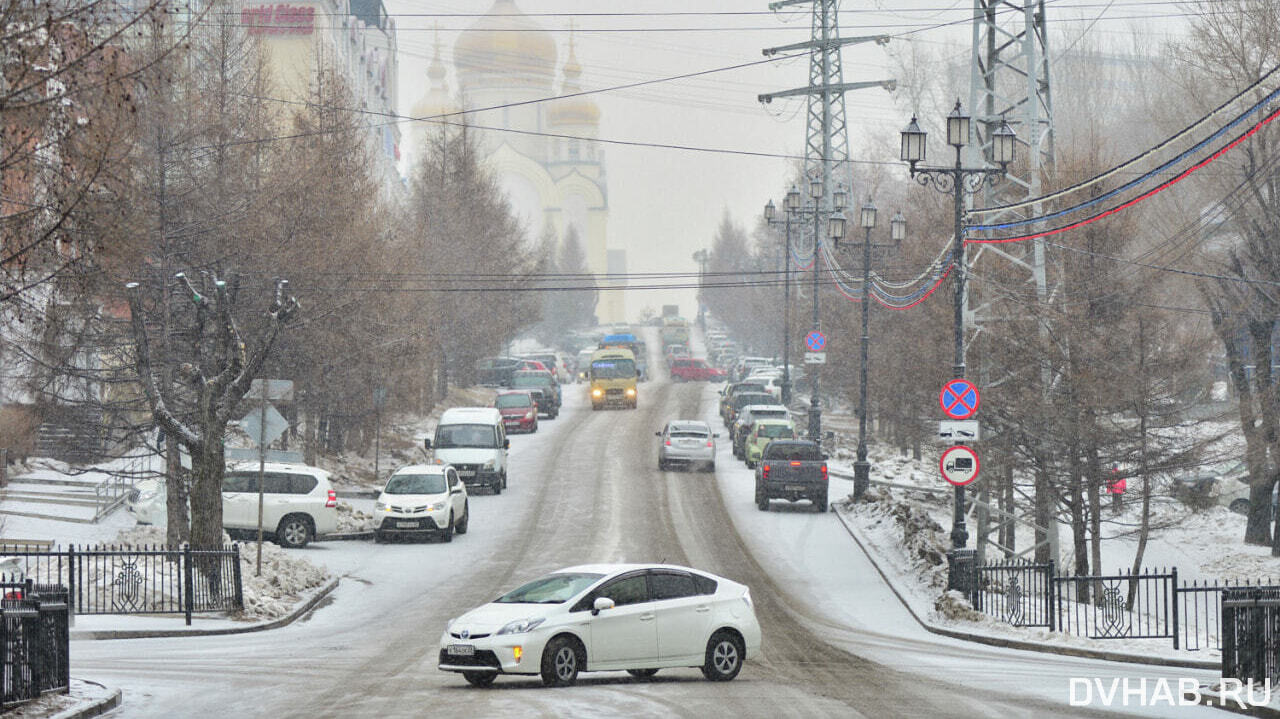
{"x": 959, "y": 399}
{"x": 815, "y": 341}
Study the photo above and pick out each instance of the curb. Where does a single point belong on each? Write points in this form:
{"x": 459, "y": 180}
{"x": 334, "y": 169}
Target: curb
{"x": 94, "y": 708}
{"x": 289, "y": 618}
{"x": 1081, "y": 652}
{"x": 345, "y": 536}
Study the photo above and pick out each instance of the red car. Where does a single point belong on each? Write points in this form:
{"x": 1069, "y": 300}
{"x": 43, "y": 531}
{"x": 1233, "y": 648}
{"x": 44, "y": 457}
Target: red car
{"x": 685, "y": 369}
{"x": 519, "y": 411}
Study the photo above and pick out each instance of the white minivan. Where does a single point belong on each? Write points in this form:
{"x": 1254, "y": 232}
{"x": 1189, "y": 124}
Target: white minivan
{"x": 474, "y": 441}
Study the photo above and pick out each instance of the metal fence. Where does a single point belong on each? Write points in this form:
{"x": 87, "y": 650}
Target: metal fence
{"x": 34, "y": 643}
{"x": 135, "y": 580}
{"x": 1150, "y": 604}
{"x": 1251, "y": 633}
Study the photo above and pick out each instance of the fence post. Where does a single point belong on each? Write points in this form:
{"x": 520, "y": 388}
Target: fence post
{"x": 1049, "y": 598}
{"x": 235, "y": 558}
{"x": 71, "y": 585}
{"x": 1174, "y": 598}
{"x": 4, "y": 467}
{"x": 188, "y": 581}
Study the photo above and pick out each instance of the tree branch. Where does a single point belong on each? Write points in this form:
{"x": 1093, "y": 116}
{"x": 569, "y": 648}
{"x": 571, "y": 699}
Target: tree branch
{"x": 146, "y": 377}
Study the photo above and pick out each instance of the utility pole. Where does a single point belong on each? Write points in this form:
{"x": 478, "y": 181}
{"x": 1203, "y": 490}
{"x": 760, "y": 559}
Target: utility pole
{"x": 826, "y": 138}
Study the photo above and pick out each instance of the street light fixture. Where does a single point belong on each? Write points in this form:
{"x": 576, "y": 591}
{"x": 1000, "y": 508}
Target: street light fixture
{"x": 958, "y": 181}
{"x": 791, "y": 204}
{"x": 770, "y": 211}
{"x": 839, "y": 198}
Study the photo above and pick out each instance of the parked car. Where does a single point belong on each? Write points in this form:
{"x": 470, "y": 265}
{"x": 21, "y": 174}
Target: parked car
{"x": 742, "y": 425}
{"x": 496, "y": 371}
{"x": 543, "y": 387}
{"x": 519, "y": 410}
{"x": 671, "y": 352}
{"x": 743, "y": 399}
{"x": 692, "y": 369}
{"x": 792, "y": 470}
{"x": 763, "y": 431}
{"x": 746, "y": 364}
{"x": 473, "y": 440}
{"x": 600, "y": 617}
{"x": 422, "y": 499}
{"x": 298, "y": 502}
{"x": 549, "y": 360}
{"x": 727, "y": 394}
{"x": 687, "y": 442}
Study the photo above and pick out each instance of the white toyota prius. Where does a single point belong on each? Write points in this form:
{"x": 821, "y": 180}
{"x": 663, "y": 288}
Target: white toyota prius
{"x": 599, "y": 617}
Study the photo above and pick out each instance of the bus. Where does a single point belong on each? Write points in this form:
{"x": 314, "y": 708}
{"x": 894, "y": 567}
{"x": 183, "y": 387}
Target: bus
{"x": 612, "y": 378}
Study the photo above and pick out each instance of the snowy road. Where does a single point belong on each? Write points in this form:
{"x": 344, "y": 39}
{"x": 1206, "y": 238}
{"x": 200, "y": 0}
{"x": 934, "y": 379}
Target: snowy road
{"x": 585, "y": 489}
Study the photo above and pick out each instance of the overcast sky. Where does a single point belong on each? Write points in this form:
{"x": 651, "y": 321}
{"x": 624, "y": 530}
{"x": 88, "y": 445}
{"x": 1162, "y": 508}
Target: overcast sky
{"x": 665, "y": 204}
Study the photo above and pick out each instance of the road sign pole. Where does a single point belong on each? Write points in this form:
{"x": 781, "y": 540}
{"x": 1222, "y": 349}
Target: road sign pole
{"x": 262, "y": 473}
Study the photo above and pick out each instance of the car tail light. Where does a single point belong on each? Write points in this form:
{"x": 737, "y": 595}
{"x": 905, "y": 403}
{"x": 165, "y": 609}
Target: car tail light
{"x": 795, "y": 463}
{"x": 668, "y": 443}
{"x": 764, "y": 471}
{"x": 16, "y": 594}
{"x": 332, "y": 500}
{"x": 824, "y": 472}
{"x": 709, "y": 443}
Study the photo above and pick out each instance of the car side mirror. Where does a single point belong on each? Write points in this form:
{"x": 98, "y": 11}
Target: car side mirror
{"x": 825, "y": 457}
{"x": 657, "y": 434}
{"x": 830, "y": 435}
{"x": 426, "y": 443}
{"x": 601, "y": 604}
{"x": 715, "y": 434}
{"x": 506, "y": 444}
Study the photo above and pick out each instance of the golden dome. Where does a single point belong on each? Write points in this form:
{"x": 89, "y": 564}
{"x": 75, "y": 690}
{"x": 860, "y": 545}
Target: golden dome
{"x": 507, "y": 43}
{"x": 575, "y": 110}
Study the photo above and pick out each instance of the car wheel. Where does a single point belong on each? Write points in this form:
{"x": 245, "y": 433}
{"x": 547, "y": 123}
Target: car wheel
{"x": 642, "y": 673}
{"x": 560, "y": 663}
{"x": 724, "y": 657}
{"x": 750, "y": 464}
{"x": 504, "y": 479}
{"x": 496, "y": 487}
{"x": 1240, "y": 506}
{"x": 820, "y": 504}
{"x": 711, "y": 467}
{"x": 662, "y": 465}
{"x": 461, "y": 527}
{"x": 294, "y": 532}
{"x": 762, "y": 502}
{"x": 484, "y": 680}
{"x": 379, "y": 537}
{"x": 446, "y": 535}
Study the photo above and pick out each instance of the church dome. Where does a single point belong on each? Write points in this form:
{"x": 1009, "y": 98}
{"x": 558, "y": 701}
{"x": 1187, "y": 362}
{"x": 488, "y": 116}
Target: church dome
{"x": 505, "y": 44}
{"x": 574, "y": 110}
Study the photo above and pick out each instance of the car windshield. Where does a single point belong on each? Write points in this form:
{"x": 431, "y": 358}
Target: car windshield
{"x": 743, "y": 400}
{"x": 415, "y": 484}
{"x": 514, "y": 400}
{"x": 801, "y": 452}
{"x": 753, "y": 387}
{"x": 466, "y": 435}
{"x": 774, "y": 431}
{"x": 531, "y": 381}
{"x": 613, "y": 369}
{"x": 551, "y": 589}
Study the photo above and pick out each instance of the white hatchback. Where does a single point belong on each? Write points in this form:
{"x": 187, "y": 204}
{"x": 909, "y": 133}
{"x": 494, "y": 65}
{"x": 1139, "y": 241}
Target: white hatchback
{"x": 598, "y": 617}
{"x": 422, "y": 499}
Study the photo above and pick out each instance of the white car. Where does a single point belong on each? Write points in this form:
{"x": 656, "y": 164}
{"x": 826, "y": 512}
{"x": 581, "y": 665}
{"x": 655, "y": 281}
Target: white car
{"x": 298, "y": 502}
{"x": 422, "y": 499}
{"x": 599, "y": 617}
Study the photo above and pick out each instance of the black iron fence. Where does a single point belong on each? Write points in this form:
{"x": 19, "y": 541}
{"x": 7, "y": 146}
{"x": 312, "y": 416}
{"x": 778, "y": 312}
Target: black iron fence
{"x": 1150, "y": 604}
{"x": 1251, "y": 633}
{"x": 34, "y": 642}
{"x": 133, "y": 580}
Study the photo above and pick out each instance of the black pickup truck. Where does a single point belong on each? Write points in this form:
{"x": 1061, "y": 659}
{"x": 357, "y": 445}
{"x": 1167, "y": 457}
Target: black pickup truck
{"x": 792, "y": 469}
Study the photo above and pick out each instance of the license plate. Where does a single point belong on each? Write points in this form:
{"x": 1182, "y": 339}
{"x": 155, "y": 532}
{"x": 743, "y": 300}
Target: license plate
{"x": 462, "y": 650}
{"x": 798, "y": 487}
{"x": 466, "y": 473}
{"x": 407, "y": 525}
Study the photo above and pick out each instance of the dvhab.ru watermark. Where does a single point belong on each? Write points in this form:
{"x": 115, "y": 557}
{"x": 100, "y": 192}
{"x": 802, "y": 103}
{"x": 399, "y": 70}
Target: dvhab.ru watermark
{"x": 1144, "y": 692}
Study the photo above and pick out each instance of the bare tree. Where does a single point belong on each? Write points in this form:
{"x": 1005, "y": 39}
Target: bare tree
{"x": 219, "y": 378}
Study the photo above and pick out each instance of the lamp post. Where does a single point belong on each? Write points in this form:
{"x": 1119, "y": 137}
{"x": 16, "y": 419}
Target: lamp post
{"x": 790, "y": 205}
{"x": 897, "y": 232}
{"x": 701, "y": 257}
{"x": 835, "y": 231}
{"x": 959, "y": 181}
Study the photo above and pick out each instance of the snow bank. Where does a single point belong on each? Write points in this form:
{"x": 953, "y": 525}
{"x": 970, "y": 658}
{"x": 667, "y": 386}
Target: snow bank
{"x": 286, "y": 574}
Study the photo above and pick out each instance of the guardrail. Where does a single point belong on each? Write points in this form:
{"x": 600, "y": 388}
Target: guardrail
{"x": 34, "y": 639}
{"x": 1251, "y": 633}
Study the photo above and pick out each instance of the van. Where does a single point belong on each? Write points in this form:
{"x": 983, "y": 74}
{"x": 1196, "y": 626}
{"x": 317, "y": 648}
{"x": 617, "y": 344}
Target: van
{"x": 474, "y": 441}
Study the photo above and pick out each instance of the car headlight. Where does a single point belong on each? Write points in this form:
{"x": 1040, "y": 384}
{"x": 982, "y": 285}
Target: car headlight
{"x": 631, "y": 391}
{"x": 597, "y": 392}
{"x": 490, "y": 464}
{"x": 380, "y": 507}
{"x": 436, "y": 507}
{"x": 520, "y": 626}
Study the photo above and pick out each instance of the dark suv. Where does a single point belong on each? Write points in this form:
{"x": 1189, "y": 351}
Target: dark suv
{"x": 543, "y": 387}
